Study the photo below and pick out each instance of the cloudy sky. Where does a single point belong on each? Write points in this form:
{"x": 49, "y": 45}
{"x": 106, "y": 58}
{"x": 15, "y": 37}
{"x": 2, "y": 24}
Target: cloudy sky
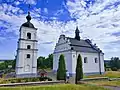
{"x": 98, "y": 20}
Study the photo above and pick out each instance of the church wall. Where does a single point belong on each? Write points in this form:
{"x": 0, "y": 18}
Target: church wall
{"x": 24, "y": 62}
{"x": 62, "y": 47}
{"x": 102, "y": 62}
{"x": 74, "y": 61}
{"x": 90, "y": 66}
{"x": 26, "y": 65}
{"x": 68, "y": 61}
{"x": 24, "y": 44}
{"x": 34, "y": 63}
{"x": 25, "y": 30}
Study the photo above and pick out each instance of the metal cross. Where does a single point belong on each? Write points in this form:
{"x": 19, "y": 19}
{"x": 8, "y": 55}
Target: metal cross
{"x": 29, "y": 7}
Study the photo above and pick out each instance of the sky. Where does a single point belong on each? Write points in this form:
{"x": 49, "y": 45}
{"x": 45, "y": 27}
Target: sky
{"x": 98, "y": 20}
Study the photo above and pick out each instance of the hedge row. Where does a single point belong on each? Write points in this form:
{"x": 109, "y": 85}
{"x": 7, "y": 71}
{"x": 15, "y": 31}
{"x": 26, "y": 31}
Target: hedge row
{"x": 20, "y": 80}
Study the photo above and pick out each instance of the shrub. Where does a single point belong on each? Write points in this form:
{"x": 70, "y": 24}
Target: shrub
{"x": 18, "y": 80}
{"x": 79, "y": 69}
{"x": 61, "y": 72}
{"x": 114, "y": 69}
{"x": 49, "y": 79}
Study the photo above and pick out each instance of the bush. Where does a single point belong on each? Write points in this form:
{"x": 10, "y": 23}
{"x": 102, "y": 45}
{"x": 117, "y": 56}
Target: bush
{"x": 79, "y": 69}
{"x": 114, "y": 69}
{"x": 19, "y": 80}
{"x": 49, "y": 79}
{"x": 61, "y": 72}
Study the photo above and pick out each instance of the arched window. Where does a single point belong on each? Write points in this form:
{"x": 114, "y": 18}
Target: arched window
{"x": 28, "y": 46}
{"x": 96, "y": 60}
{"x": 28, "y": 35}
{"x": 85, "y": 60}
{"x": 28, "y": 55}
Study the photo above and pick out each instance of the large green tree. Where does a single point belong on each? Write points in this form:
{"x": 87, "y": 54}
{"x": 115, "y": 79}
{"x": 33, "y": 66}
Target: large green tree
{"x": 49, "y": 61}
{"x": 79, "y": 69}
{"x": 115, "y": 63}
{"x": 43, "y": 63}
{"x": 61, "y": 72}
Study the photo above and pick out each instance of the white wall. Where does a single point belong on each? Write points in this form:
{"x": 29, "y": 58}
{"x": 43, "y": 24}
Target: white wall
{"x": 90, "y": 66}
{"x": 102, "y": 62}
{"x": 62, "y": 47}
{"x": 23, "y": 44}
{"x": 25, "y": 30}
{"x": 22, "y": 52}
{"x": 68, "y": 60}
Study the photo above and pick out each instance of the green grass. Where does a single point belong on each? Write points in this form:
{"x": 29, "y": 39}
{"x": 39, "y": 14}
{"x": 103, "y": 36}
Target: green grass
{"x": 105, "y": 83}
{"x": 55, "y": 87}
{"x": 110, "y": 74}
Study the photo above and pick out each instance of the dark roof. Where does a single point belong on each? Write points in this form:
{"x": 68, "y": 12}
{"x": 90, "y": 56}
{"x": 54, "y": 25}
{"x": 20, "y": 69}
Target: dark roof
{"x": 83, "y": 45}
{"x": 28, "y": 23}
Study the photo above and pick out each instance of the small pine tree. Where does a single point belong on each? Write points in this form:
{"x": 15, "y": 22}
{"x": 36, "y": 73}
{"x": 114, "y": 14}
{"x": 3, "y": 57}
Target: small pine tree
{"x": 61, "y": 72}
{"x": 79, "y": 70}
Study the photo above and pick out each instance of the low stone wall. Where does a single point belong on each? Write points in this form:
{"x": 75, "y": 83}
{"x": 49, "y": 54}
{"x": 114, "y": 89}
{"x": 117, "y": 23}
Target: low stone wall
{"x": 32, "y": 83}
{"x": 114, "y": 79}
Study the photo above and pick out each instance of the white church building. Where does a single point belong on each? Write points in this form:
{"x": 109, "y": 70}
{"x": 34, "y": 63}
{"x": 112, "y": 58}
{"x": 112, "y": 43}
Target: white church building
{"x": 92, "y": 57}
{"x": 26, "y": 60}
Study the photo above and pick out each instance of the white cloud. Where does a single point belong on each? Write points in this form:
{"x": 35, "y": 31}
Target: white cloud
{"x": 88, "y": 23}
{"x": 96, "y": 27}
{"x": 30, "y": 2}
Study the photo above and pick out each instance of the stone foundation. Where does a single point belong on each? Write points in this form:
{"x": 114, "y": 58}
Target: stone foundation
{"x": 26, "y": 75}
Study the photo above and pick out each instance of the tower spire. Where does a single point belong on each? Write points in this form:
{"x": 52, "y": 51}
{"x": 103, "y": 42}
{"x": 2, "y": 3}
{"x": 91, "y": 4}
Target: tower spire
{"x": 77, "y": 33}
{"x": 28, "y": 17}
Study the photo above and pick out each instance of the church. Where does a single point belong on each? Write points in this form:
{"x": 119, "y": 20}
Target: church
{"x": 92, "y": 56}
{"x": 26, "y": 60}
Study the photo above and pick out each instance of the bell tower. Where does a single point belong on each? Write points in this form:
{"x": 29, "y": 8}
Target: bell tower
{"x": 26, "y": 61}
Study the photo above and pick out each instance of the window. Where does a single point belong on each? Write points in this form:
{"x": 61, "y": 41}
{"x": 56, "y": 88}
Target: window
{"x": 28, "y": 35}
{"x": 96, "y": 61}
{"x": 85, "y": 60}
{"x": 28, "y": 55}
{"x": 73, "y": 55}
{"x": 28, "y": 46}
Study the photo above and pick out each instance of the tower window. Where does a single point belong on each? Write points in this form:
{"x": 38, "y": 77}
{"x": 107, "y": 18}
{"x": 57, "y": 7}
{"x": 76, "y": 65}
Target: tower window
{"x": 28, "y": 35}
{"x": 28, "y": 55}
{"x": 73, "y": 55}
{"x": 96, "y": 61}
{"x": 85, "y": 60}
{"x": 28, "y": 46}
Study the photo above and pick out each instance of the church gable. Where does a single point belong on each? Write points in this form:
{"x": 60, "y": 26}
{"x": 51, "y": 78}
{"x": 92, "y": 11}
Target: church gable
{"x": 63, "y": 44}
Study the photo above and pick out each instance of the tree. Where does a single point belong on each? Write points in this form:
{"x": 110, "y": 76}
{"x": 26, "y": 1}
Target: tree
{"x": 40, "y": 62}
{"x": 115, "y": 63}
{"x": 13, "y": 64}
{"x": 50, "y": 61}
{"x": 61, "y": 72}
{"x": 79, "y": 69}
{"x": 44, "y": 63}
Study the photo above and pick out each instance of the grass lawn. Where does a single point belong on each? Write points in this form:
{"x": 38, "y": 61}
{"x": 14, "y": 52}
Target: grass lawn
{"x": 105, "y": 83}
{"x": 55, "y": 87}
{"x": 110, "y": 74}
